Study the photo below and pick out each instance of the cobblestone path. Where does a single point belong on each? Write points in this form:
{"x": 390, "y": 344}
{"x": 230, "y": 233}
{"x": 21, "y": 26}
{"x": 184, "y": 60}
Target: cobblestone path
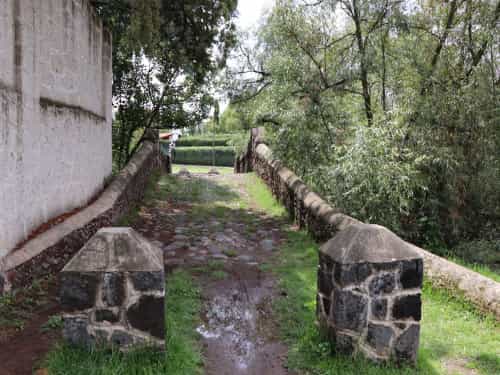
{"x": 208, "y": 223}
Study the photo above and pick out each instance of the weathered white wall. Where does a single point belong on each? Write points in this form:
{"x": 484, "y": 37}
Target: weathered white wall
{"x": 55, "y": 112}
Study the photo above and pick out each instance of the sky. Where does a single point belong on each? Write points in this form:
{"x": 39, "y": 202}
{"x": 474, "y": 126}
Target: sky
{"x": 249, "y": 12}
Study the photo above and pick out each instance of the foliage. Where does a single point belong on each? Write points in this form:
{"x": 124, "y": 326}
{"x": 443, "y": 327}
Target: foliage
{"x": 55, "y": 322}
{"x": 393, "y": 191}
{"x": 239, "y": 141}
{"x": 219, "y": 155}
{"x": 452, "y": 330}
{"x": 389, "y": 109}
{"x": 162, "y": 59}
{"x": 204, "y": 140}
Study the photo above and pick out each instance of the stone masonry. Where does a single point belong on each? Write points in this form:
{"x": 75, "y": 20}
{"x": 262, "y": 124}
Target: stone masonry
{"x": 113, "y": 292}
{"x": 369, "y": 288}
{"x": 323, "y": 221}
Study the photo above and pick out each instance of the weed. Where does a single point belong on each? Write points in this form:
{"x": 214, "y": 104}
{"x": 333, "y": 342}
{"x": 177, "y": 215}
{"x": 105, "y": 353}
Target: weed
{"x": 55, "y": 322}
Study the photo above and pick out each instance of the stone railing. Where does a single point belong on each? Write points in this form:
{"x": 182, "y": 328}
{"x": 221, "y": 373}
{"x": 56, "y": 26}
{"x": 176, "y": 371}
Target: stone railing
{"x": 48, "y": 252}
{"x": 325, "y": 222}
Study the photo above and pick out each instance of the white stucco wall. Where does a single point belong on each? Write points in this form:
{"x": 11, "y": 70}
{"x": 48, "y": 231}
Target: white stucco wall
{"x": 55, "y": 112}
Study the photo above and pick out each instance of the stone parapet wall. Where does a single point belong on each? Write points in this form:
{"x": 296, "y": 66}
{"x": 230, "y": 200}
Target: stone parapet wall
{"x": 323, "y": 221}
{"x": 51, "y": 250}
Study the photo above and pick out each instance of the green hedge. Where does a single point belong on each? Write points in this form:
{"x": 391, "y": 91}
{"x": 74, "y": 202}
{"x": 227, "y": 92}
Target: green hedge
{"x": 204, "y": 140}
{"x": 224, "y": 155}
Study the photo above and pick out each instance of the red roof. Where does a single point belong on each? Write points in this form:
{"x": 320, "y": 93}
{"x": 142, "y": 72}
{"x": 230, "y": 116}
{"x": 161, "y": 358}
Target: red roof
{"x": 165, "y": 135}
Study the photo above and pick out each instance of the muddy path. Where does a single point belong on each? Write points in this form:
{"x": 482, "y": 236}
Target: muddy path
{"x": 23, "y": 349}
{"x": 210, "y": 226}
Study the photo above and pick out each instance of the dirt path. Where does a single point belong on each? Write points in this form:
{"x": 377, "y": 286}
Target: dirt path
{"x": 210, "y": 225}
{"x": 22, "y": 350}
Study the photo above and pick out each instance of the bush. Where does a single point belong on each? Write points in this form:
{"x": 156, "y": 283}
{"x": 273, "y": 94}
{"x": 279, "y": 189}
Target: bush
{"x": 378, "y": 181}
{"x": 224, "y": 155}
{"x": 204, "y": 140}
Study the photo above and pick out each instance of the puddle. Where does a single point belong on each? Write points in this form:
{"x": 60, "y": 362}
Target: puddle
{"x": 233, "y": 321}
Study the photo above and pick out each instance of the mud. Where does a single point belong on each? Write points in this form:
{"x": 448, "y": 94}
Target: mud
{"x": 239, "y": 333}
{"x": 24, "y": 351}
{"x": 238, "y": 336}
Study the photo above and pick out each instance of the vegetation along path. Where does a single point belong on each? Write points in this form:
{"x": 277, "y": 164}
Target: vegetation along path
{"x": 241, "y": 287}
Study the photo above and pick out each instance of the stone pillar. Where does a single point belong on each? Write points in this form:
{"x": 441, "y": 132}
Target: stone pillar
{"x": 369, "y": 294}
{"x": 113, "y": 292}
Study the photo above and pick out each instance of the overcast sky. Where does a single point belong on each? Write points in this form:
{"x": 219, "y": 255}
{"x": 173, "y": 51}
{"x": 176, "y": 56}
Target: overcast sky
{"x": 250, "y": 12}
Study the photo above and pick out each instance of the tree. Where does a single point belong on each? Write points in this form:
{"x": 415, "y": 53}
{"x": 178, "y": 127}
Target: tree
{"x": 313, "y": 77}
{"x": 163, "y": 55}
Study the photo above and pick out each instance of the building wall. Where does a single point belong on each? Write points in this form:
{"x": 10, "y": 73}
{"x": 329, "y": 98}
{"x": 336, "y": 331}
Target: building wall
{"x": 55, "y": 112}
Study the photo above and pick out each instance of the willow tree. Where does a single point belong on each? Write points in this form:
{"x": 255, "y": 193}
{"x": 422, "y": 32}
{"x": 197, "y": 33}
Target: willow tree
{"x": 390, "y": 108}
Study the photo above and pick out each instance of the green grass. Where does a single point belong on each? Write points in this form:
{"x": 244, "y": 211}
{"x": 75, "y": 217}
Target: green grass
{"x": 183, "y": 354}
{"x": 200, "y": 168}
{"x": 196, "y": 191}
{"x": 482, "y": 269}
{"x": 260, "y": 194}
{"x": 453, "y": 331}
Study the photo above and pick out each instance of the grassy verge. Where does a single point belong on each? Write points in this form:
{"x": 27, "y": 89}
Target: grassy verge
{"x": 482, "y": 269}
{"x": 455, "y": 338}
{"x": 183, "y": 354}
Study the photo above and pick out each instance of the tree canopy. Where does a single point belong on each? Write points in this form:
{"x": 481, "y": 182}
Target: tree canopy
{"x": 389, "y": 108}
{"x": 164, "y": 52}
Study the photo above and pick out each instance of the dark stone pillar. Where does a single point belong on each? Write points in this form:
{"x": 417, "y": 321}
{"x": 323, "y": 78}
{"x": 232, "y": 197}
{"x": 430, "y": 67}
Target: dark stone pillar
{"x": 113, "y": 291}
{"x": 369, "y": 287}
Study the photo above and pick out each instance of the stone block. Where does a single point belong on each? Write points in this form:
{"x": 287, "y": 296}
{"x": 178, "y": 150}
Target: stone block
{"x": 75, "y": 330}
{"x": 343, "y": 343}
{"x": 148, "y": 281}
{"x": 406, "y": 345}
{"x": 375, "y": 295}
{"x": 382, "y": 284}
{"x": 352, "y": 274}
{"x": 349, "y": 310}
{"x": 406, "y": 307}
{"x": 379, "y": 337}
{"x": 115, "y": 289}
{"x": 412, "y": 274}
{"x": 104, "y": 315}
{"x": 78, "y": 290}
{"x": 147, "y": 315}
{"x": 121, "y": 338}
{"x": 325, "y": 283}
{"x": 379, "y": 308}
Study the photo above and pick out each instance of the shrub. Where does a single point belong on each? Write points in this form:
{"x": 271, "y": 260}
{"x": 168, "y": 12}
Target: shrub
{"x": 204, "y": 140}
{"x": 224, "y": 155}
{"x": 377, "y": 180}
